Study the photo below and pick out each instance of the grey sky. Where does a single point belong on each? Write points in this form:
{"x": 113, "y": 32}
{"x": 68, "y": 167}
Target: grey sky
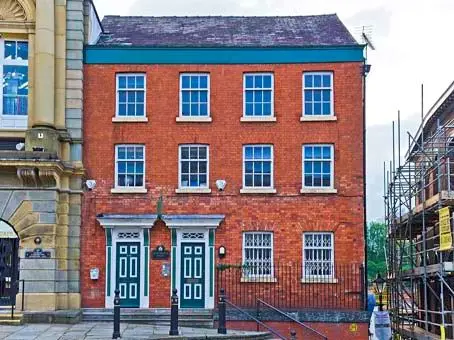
{"x": 412, "y": 40}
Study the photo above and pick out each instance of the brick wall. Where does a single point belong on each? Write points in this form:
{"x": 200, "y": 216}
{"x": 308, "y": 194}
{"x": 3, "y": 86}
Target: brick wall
{"x": 287, "y": 213}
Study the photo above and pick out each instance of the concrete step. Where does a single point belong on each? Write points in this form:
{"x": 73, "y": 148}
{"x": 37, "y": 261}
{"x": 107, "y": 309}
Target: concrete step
{"x": 5, "y": 317}
{"x": 156, "y": 316}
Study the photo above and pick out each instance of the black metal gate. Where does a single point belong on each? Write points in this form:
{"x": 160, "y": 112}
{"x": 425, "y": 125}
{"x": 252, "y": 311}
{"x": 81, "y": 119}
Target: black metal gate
{"x": 9, "y": 271}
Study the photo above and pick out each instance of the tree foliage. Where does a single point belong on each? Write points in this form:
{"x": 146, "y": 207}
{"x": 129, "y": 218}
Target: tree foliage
{"x": 376, "y": 253}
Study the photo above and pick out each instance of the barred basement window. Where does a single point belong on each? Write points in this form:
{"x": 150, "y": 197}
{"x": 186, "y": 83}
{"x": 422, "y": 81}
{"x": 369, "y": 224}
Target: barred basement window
{"x": 318, "y": 255}
{"x": 258, "y": 254}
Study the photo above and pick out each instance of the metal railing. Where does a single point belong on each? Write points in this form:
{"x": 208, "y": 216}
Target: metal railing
{"x": 308, "y": 332}
{"x": 295, "y": 286}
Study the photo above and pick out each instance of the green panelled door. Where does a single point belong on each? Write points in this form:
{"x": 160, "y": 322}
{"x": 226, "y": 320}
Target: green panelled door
{"x": 192, "y": 275}
{"x": 128, "y": 273}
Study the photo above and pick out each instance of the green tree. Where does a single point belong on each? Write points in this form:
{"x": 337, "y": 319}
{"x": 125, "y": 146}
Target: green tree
{"x": 376, "y": 254}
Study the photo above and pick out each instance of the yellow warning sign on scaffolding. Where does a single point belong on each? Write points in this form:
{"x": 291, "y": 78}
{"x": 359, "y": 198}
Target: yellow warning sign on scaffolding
{"x": 445, "y": 229}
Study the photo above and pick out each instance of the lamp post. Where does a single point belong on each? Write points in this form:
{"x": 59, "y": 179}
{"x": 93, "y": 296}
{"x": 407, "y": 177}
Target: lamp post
{"x": 380, "y": 284}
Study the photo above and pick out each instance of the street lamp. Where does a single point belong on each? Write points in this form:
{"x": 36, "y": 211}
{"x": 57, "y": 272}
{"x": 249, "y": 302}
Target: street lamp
{"x": 380, "y": 284}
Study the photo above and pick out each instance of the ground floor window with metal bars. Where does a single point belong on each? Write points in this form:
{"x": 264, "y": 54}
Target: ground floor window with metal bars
{"x": 257, "y": 254}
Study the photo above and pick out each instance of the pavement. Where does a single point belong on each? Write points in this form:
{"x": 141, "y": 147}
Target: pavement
{"x": 104, "y": 330}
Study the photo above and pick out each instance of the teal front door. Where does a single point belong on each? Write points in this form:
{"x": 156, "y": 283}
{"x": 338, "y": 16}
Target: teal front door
{"x": 192, "y": 275}
{"x": 128, "y": 273}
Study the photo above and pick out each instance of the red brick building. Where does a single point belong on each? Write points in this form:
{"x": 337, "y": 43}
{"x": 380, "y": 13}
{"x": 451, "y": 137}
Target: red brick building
{"x": 250, "y": 129}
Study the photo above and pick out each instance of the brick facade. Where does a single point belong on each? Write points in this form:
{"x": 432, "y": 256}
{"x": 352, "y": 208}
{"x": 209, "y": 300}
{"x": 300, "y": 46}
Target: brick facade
{"x": 287, "y": 213}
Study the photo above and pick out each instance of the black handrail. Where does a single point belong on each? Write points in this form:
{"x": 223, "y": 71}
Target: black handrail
{"x": 256, "y": 320}
{"x": 292, "y": 318}
{"x": 23, "y": 290}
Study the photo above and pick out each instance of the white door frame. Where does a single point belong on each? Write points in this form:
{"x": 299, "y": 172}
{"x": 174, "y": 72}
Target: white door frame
{"x": 144, "y": 300}
{"x": 209, "y": 301}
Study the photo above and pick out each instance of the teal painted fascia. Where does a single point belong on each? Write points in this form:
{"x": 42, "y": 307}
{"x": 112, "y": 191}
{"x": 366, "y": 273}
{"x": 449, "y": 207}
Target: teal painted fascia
{"x": 227, "y": 55}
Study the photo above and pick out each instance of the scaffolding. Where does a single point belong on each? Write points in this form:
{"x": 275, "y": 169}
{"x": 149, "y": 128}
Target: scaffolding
{"x": 420, "y": 276}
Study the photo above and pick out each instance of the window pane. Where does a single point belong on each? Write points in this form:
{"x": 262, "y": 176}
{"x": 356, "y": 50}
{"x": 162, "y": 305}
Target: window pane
{"x": 266, "y": 180}
{"x": 202, "y": 180}
{"x": 194, "y": 152}
{"x": 203, "y": 82}
{"x": 317, "y": 152}
{"x": 15, "y": 90}
{"x": 203, "y": 96}
{"x": 22, "y": 50}
{"x": 248, "y": 180}
{"x": 326, "y": 108}
{"x": 202, "y": 167}
{"x": 185, "y": 167}
{"x": 248, "y": 167}
{"x": 249, "y": 81}
{"x": 140, "y": 96}
{"x": 121, "y": 152}
{"x": 257, "y": 180}
{"x": 308, "y": 109}
{"x": 202, "y": 152}
{"x": 326, "y": 80}
{"x": 139, "y": 180}
{"x": 249, "y": 109}
{"x": 248, "y": 151}
{"x": 267, "y": 109}
{"x": 317, "y": 108}
{"x": 317, "y": 95}
{"x": 326, "y": 152}
{"x": 258, "y": 82}
{"x": 185, "y": 180}
{"x": 185, "y": 82}
{"x": 122, "y": 96}
{"x": 122, "y": 82}
{"x": 258, "y": 109}
{"x": 308, "y": 152}
{"x": 10, "y": 50}
{"x": 258, "y": 152}
{"x": 267, "y": 81}
{"x": 266, "y": 167}
{"x": 185, "y": 152}
{"x": 194, "y": 82}
{"x": 203, "y": 109}
{"x": 317, "y": 80}
{"x": 186, "y": 110}
{"x": 140, "y": 82}
{"x": 139, "y": 110}
{"x": 308, "y": 82}
{"x": 131, "y": 81}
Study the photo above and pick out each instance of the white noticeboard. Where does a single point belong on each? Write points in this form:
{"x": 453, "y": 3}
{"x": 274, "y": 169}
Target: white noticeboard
{"x": 6, "y": 231}
{"x": 380, "y": 326}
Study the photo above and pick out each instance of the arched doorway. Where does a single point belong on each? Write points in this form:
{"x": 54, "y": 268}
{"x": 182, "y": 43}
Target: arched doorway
{"x": 9, "y": 264}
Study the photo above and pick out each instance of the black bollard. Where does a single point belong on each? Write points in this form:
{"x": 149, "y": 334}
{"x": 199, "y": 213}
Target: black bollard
{"x": 292, "y": 334}
{"x": 221, "y": 307}
{"x": 116, "y": 331}
{"x": 174, "y": 313}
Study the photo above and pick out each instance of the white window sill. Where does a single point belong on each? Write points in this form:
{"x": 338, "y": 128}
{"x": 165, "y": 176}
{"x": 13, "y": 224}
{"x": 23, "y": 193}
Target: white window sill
{"x": 257, "y": 119}
{"x": 257, "y": 191}
{"x": 128, "y": 190}
{"x": 319, "y": 280}
{"x": 318, "y": 118}
{"x": 266, "y": 279}
{"x": 193, "y": 190}
{"x": 131, "y": 119}
{"x": 318, "y": 191}
{"x": 194, "y": 119}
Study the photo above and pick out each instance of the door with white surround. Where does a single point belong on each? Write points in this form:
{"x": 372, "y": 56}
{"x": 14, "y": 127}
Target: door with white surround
{"x": 128, "y": 273}
{"x": 192, "y": 275}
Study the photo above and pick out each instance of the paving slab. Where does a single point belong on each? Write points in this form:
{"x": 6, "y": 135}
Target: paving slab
{"x": 103, "y": 331}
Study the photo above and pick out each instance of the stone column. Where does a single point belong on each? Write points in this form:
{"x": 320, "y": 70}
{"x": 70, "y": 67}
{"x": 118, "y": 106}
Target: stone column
{"x": 60, "y": 64}
{"x": 43, "y": 136}
{"x": 45, "y": 63}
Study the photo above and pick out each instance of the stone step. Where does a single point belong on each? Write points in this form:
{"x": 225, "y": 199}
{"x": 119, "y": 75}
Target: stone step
{"x": 9, "y": 322}
{"x": 160, "y": 316}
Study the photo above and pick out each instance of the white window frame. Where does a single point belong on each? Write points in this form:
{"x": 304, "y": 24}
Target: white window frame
{"x": 251, "y": 276}
{"x": 120, "y": 189}
{"x": 190, "y": 117}
{"x": 245, "y": 188}
{"x": 332, "y": 160}
{"x": 119, "y": 118}
{"x": 270, "y": 117}
{"x": 333, "y": 273}
{"x": 189, "y": 188}
{"x": 319, "y": 116}
{"x": 19, "y": 122}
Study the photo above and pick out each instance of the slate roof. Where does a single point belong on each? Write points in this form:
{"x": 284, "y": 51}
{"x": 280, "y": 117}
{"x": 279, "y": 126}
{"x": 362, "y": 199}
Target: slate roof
{"x": 225, "y": 31}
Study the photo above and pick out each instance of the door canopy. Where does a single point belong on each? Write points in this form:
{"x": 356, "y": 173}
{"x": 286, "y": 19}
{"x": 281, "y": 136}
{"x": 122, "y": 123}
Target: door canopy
{"x": 6, "y": 231}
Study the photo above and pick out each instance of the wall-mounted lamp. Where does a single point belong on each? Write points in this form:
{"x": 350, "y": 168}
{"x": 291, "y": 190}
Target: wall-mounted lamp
{"x": 221, "y": 251}
{"x": 37, "y": 240}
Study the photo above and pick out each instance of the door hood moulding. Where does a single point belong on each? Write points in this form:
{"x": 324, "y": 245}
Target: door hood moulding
{"x": 148, "y": 220}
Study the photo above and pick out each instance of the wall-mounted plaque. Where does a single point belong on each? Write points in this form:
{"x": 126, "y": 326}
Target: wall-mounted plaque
{"x": 37, "y": 253}
{"x": 160, "y": 253}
